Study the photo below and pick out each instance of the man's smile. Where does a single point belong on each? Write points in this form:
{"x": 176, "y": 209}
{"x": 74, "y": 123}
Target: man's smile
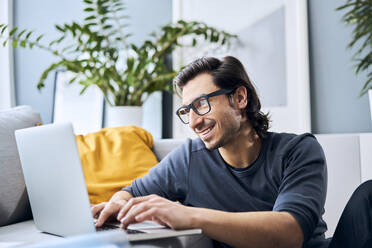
{"x": 205, "y": 133}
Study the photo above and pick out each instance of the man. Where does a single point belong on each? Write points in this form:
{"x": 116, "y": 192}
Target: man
{"x": 242, "y": 185}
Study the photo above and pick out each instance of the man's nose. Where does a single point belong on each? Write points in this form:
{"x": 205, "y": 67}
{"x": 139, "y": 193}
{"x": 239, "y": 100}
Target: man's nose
{"x": 194, "y": 119}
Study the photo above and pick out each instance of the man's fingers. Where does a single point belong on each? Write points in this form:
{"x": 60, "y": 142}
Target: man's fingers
{"x": 97, "y": 208}
{"x": 132, "y": 212}
{"x": 108, "y": 210}
{"x": 141, "y": 212}
{"x": 103, "y": 217}
{"x": 147, "y": 215}
{"x": 130, "y": 204}
{"x": 123, "y": 211}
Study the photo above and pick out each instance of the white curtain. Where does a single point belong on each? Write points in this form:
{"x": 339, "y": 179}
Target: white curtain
{"x": 7, "y": 96}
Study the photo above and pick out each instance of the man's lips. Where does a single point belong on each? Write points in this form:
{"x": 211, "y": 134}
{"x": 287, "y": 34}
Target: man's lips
{"x": 205, "y": 132}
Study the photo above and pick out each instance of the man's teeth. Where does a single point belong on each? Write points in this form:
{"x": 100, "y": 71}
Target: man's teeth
{"x": 207, "y": 131}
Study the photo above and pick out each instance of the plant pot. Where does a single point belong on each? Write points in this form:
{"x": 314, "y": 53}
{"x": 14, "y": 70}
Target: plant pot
{"x": 370, "y": 101}
{"x": 122, "y": 116}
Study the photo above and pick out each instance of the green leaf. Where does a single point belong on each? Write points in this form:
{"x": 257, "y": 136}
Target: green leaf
{"x": 23, "y": 43}
{"x": 14, "y": 44}
{"x": 46, "y": 72}
{"x": 84, "y": 89}
{"x": 3, "y": 29}
{"x": 130, "y": 63}
{"x": 60, "y": 39}
{"x": 182, "y": 22}
{"x": 67, "y": 48}
{"x": 193, "y": 42}
{"x": 13, "y": 31}
{"x": 72, "y": 80}
{"x": 88, "y": 9}
{"x": 21, "y": 33}
{"x": 92, "y": 17}
{"x": 59, "y": 28}
{"x": 88, "y": 1}
{"x": 39, "y": 38}
{"x": 4, "y": 43}
{"x": 28, "y": 35}
{"x": 366, "y": 87}
{"x": 104, "y": 19}
{"x": 91, "y": 24}
{"x": 107, "y": 26}
{"x": 52, "y": 43}
{"x": 119, "y": 9}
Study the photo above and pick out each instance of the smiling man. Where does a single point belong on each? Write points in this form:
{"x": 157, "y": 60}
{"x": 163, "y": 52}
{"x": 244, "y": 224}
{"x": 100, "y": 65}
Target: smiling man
{"x": 242, "y": 185}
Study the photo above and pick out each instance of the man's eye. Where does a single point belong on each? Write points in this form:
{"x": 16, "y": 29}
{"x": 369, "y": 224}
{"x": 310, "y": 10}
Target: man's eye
{"x": 201, "y": 103}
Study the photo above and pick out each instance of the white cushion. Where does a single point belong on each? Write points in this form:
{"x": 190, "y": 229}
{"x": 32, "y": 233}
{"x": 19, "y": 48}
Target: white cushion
{"x": 164, "y": 146}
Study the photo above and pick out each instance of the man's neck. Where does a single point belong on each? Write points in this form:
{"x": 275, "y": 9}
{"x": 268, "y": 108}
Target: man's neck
{"x": 243, "y": 149}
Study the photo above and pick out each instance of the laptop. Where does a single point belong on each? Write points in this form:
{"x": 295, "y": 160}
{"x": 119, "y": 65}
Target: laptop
{"x": 56, "y": 186}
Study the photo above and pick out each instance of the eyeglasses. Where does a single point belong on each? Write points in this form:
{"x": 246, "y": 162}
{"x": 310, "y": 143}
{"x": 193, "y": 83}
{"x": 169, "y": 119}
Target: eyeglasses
{"x": 200, "y": 105}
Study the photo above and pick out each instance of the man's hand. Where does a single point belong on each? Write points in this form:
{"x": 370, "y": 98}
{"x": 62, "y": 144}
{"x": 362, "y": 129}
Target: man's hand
{"x": 111, "y": 208}
{"x": 104, "y": 210}
{"x": 157, "y": 209}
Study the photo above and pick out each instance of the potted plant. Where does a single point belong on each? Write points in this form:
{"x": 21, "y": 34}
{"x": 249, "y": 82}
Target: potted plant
{"x": 97, "y": 51}
{"x": 360, "y": 16}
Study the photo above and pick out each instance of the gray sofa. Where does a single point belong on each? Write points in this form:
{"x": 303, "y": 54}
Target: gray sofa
{"x": 348, "y": 156}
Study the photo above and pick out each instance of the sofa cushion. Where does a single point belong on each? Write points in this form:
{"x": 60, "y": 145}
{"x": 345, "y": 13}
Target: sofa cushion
{"x": 163, "y": 147}
{"x": 14, "y": 205}
{"x": 113, "y": 157}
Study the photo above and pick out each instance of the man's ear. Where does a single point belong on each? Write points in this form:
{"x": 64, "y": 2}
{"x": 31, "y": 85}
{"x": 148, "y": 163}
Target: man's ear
{"x": 240, "y": 97}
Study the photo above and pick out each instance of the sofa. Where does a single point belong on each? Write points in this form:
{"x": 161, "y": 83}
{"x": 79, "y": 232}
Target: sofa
{"x": 348, "y": 157}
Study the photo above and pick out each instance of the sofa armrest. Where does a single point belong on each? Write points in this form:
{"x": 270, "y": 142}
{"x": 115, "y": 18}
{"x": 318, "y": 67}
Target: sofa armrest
{"x": 14, "y": 205}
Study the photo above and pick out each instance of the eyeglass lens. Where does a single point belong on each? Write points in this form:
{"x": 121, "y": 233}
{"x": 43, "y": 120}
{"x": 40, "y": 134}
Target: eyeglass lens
{"x": 200, "y": 106}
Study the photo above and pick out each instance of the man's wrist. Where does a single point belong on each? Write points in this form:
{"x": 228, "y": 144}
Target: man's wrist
{"x": 196, "y": 217}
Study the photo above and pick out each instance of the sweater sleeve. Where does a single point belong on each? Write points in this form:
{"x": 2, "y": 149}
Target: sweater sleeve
{"x": 303, "y": 188}
{"x": 167, "y": 179}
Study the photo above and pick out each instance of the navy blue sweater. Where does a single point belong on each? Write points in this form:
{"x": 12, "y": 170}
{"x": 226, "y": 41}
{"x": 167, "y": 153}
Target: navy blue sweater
{"x": 290, "y": 175}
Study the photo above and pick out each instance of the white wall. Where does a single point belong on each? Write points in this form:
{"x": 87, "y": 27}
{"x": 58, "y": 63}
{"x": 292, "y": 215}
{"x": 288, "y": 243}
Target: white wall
{"x": 6, "y": 60}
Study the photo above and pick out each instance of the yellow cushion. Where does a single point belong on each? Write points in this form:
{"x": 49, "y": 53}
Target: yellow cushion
{"x": 113, "y": 157}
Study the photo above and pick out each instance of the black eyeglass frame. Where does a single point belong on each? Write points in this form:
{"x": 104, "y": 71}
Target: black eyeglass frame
{"x": 191, "y": 105}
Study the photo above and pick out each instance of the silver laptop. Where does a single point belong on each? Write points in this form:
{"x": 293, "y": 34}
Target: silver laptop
{"x": 56, "y": 187}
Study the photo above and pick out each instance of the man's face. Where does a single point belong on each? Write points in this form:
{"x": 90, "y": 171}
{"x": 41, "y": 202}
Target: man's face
{"x": 222, "y": 123}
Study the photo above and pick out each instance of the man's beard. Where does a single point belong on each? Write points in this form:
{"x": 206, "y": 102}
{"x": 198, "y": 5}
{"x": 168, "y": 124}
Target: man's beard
{"x": 226, "y": 138}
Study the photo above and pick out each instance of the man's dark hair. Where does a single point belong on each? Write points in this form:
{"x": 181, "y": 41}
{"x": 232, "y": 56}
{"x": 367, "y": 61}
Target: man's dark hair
{"x": 228, "y": 73}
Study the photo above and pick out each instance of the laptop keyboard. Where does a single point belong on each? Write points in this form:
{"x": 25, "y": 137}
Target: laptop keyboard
{"x": 106, "y": 227}
{"x": 129, "y": 231}
{"x": 112, "y": 227}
